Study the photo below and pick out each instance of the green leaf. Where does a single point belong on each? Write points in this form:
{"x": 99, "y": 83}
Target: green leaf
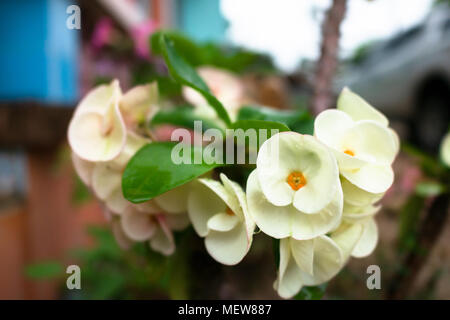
{"x": 152, "y": 172}
{"x": 312, "y": 293}
{"x": 185, "y": 74}
{"x": 409, "y": 222}
{"x": 45, "y": 270}
{"x": 298, "y": 120}
{"x": 182, "y": 116}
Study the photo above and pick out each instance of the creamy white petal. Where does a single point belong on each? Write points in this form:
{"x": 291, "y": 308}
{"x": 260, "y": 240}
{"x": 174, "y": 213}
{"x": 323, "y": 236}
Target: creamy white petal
{"x": 138, "y": 226}
{"x": 369, "y": 141}
{"x": 368, "y": 241}
{"x": 308, "y": 226}
{"x": 329, "y": 126}
{"x": 288, "y": 282}
{"x": 354, "y": 214}
{"x": 116, "y": 203}
{"x": 445, "y": 149}
{"x": 83, "y": 168}
{"x": 163, "y": 241}
{"x": 228, "y": 247}
{"x": 175, "y": 200}
{"x": 356, "y": 196}
{"x": 371, "y": 178}
{"x": 328, "y": 261}
{"x": 105, "y": 180}
{"x": 100, "y": 98}
{"x": 272, "y": 220}
{"x": 357, "y": 108}
{"x": 303, "y": 254}
{"x": 138, "y": 102}
{"x": 235, "y": 190}
{"x": 122, "y": 239}
{"x": 95, "y": 137}
{"x": 203, "y": 203}
{"x": 222, "y": 222}
{"x": 346, "y": 237}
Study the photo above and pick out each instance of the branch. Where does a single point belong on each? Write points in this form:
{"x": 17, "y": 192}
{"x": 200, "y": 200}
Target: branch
{"x": 326, "y": 66}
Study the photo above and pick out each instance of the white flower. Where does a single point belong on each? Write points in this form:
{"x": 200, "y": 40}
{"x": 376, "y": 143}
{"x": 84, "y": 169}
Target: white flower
{"x": 357, "y": 197}
{"x": 358, "y": 109}
{"x": 306, "y": 263}
{"x": 225, "y": 86}
{"x": 445, "y": 149}
{"x": 107, "y": 176}
{"x": 98, "y": 129}
{"x": 148, "y": 221}
{"x": 218, "y": 212}
{"x": 357, "y": 239}
{"x": 364, "y": 149}
{"x": 297, "y": 193}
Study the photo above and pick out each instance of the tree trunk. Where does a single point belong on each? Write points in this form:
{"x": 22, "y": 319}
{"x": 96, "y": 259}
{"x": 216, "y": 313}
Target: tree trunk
{"x": 326, "y": 66}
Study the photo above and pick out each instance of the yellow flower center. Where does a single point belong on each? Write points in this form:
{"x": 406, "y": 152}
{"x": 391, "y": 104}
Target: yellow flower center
{"x": 296, "y": 180}
{"x": 349, "y": 152}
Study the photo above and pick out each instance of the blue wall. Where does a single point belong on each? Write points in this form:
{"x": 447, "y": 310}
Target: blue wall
{"x": 39, "y": 55}
{"x": 201, "y": 19}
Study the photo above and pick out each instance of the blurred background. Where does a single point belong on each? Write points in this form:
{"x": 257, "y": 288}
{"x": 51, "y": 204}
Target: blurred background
{"x": 290, "y": 55}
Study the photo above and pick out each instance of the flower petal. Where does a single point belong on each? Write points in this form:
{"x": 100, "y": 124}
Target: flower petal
{"x": 272, "y": 220}
{"x": 116, "y": 203}
{"x": 133, "y": 143}
{"x": 222, "y": 222}
{"x": 83, "y": 169}
{"x": 138, "y": 102}
{"x": 356, "y": 196}
{"x": 357, "y": 108}
{"x": 346, "y": 237}
{"x": 163, "y": 241}
{"x": 330, "y": 125}
{"x": 354, "y": 214}
{"x": 122, "y": 240}
{"x": 174, "y": 201}
{"x": 288, "y": 282}
{"x": 95, "y": 137}
{"x": 138, "y": 226}
{"x": 369, "y": 141}
{"x": 445, "y": 149}
{"x": 308, "y": 226}
{"x": 105, "y": 180}
{"x": 368, "y": 241}
{"x": 303, "y": 254}
{"x": 99, "y": 99}
{"x": 203, "y": 203}
{"x": 328, "y": 261}
{"x": 229, "y": 247}
{"x": 371, "y": 178}
{"x": 177, "y": 222}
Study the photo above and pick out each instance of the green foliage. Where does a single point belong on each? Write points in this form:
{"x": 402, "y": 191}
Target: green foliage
{"x": 44, "y": 270}
{"x": 181, "y": 116}
{"x": 297, "y": 120}
{"x": 152, "y": 172}
{"x": 185, "y": 74}
{"x": 312, "y": 293}
{"x": 409, "y": 222}
{"x": 196, "y": 54}
{"x": 80, "y": 193}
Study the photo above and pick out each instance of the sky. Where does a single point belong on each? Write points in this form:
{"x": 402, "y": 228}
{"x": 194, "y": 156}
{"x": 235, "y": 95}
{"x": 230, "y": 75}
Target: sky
{"x": 289, "y": 30}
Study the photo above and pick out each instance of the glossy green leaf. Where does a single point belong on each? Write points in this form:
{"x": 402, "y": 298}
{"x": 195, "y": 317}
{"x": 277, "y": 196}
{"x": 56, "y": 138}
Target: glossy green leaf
{"x": 297, "y": 120}
{"x": 152, "y": 171}
{"x": 185, "y": 74}
{"x": 182, "y": 116}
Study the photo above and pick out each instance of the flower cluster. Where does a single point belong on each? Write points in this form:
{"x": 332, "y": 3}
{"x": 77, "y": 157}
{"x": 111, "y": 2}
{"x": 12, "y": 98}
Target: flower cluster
{"x": 317, "y": 194}
{"x": 104, "y": 133}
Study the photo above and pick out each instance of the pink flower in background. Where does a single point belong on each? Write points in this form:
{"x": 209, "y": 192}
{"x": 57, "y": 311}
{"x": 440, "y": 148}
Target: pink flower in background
{"x": 102, "y": 33}
{"x": 140, "y": 34}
